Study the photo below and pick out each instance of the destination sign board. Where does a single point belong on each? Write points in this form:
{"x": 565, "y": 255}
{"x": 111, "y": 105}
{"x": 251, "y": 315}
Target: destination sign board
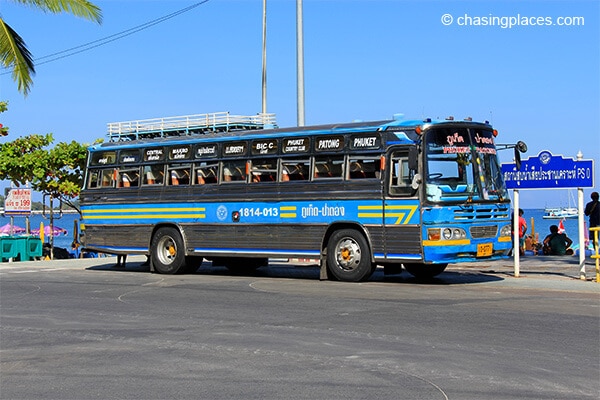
{"x": 548, "y": 171}
{"x": 129, "y": 156}
{"x": 235, "y": 149}
{"x": 154, "y": 154}
{"x": 329, "y": 143}
{"x": 364, "y": 142}
{"x": 206, "y": 151}
{"x": 264, "y": 146}
{"x": 295, "y": 145}
{"x": 103, "y": 158}
{"x": 179, "y": 152}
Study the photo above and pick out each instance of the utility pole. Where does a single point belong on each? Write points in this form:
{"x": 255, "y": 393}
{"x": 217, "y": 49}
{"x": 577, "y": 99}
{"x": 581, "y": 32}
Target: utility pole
{"x": 300, "y": 62}
{"x": 264, "y": 58}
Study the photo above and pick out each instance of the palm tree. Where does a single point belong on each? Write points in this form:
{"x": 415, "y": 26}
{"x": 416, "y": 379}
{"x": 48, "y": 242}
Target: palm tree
{"x": 13, "y": 50}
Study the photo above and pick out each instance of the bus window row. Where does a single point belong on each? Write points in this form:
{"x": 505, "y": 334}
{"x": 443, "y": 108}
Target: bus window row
{"x": 240, "y": 171}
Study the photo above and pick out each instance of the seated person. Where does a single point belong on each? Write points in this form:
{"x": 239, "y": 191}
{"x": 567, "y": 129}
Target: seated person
{"x": 357, "y": 171}
{"x": 557, "y": 243}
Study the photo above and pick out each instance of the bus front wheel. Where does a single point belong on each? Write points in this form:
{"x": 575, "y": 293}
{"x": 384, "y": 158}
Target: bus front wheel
{"x": 425, "y": 271}
{"x": 348, "y": 256}
{"x": 168, "y": 254}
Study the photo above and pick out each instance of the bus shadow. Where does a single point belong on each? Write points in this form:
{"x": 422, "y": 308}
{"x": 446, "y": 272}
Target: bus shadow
{"x": 445, "y": 278}
{"x": 129, "y": 267}
{"x": 312, "y": 272}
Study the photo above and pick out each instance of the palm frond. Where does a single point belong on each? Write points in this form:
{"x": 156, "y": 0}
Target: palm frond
{"x": 80, "y": 8}
{"x": 14, "y": 53}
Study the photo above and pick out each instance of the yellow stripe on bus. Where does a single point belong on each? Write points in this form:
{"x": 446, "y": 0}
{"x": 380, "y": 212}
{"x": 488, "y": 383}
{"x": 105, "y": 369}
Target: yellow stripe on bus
{"x": 149, "y": 209}
{"x": 446, "y": 242}
{"x": 148, "y": 216}
{"x": 399, "y": 215}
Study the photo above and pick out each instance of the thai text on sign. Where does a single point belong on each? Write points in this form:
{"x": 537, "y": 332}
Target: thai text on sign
{"x": 18, "y": 202}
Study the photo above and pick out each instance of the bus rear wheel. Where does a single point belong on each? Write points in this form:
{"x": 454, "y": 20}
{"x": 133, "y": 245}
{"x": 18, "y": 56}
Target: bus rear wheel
{"x": 425, "y": 271}
{"x": 348, "y": 256}
{"x": 168, "y": 255}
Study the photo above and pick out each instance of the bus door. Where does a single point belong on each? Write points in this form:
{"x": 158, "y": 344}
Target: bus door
{"x": 401, "y": 210}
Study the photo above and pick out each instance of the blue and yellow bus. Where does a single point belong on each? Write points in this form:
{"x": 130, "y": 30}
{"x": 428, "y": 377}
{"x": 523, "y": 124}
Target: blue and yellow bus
{"x": 412, "y": 194}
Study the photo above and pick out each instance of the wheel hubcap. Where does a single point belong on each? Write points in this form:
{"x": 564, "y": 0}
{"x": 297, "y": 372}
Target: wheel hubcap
{"x": 348, "y": 254}
{"x": 168, "y": 250}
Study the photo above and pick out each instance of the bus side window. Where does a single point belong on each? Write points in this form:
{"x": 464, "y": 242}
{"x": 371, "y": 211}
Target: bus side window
{"x": 154, "y": 174}
{"x": 329, "y": 167}
{"x": 295, "y": 170}
{"x": 206, "y": 173}
{"x": 179, "y": 175}
{"x": 264, "y": 170}
{"x": 363, "y": 168}
{"x": 108, "y": 178}
{"x": 400, "y": 177}
{"x": 234, "y": 171}
{"x": 129, "y": 178}
{"x": 93, "y": 179}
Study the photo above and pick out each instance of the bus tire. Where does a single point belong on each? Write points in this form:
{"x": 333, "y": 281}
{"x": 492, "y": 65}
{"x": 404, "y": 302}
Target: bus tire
{"x": 425, "y": 271}
{"x": 349, "y": 256}
{"x": 168, "y": 253}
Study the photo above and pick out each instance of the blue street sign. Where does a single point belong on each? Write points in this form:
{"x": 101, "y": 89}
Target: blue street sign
{"x": 547, "y": 171}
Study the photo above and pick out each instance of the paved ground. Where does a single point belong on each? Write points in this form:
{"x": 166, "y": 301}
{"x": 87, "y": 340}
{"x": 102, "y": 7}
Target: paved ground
{"x": 552, "y": 272}
{"x": 84, "y": 329}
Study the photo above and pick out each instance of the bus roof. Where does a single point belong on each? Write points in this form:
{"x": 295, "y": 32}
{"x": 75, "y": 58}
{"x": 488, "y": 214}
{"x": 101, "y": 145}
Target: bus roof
{"x": 394, "y": 125}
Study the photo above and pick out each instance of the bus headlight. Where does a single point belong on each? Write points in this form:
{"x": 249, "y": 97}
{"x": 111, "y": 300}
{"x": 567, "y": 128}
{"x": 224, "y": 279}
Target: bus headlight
{"x": 459, "y": 233}
{"x": 506, "y": 230}
{"x": 447, "y": 234}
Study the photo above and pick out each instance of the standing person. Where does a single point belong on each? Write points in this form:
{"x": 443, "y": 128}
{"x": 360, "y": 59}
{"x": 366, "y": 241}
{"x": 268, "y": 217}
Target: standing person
{"x": 592, "y": 209}
{"x": 557, "y": 243}
{"x": 121, "y": 259}
{"x": 522, "y": 230}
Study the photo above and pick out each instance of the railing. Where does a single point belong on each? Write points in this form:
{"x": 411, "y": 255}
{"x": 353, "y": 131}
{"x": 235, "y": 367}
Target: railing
{"x": 187, "y": 124}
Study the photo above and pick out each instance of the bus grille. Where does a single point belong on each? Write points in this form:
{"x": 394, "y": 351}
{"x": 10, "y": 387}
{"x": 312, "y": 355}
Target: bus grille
{"x": 481, "y": 213}
{"x": 478, "y": 232}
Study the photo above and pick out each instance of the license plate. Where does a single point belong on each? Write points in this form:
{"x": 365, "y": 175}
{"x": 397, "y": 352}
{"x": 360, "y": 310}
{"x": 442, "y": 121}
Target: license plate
{"x": 484, "y": 249}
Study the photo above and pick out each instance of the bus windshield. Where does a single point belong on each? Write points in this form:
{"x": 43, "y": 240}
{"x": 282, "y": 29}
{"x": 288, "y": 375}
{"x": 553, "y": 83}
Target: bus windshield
{"x": 462, "y": 166}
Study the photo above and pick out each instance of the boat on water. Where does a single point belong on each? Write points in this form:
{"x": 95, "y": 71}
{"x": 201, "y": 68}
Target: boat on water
{"x": 560, "y": 213}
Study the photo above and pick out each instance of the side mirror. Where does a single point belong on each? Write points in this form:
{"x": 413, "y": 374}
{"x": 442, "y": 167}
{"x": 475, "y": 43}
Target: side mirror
{"x": 416, "y": 181}
{"x": 520, "y": 147}
{"x": 413, "y": 158}
{"x": 517, "y": 159}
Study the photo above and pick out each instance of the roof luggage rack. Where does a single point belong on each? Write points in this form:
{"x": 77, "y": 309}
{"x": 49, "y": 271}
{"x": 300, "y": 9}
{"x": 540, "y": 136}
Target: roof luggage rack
{"x": 187, "y": 125}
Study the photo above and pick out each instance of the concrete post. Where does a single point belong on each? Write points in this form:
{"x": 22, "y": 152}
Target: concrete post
{"x": 580, "y": 220}
{"x": 516, "y": 242}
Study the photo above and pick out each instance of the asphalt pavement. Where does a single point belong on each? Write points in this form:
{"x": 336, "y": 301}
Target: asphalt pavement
{"x": 550, "y": 272}
{"x": 86, "y": 329}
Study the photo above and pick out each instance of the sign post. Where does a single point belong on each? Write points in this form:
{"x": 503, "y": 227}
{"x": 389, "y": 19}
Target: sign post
{"x": 548, "y": 171}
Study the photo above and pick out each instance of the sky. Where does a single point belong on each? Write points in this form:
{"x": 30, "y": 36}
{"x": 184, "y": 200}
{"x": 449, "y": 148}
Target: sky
{"x": 363, "y": 60}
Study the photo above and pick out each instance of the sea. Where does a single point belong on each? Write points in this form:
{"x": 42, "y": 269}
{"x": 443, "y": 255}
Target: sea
{"x": 534, "y": 217}
{"x": 67, "y": 221}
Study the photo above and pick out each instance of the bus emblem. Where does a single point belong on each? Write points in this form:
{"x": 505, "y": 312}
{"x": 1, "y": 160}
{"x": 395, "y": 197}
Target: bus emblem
{"x": 222, "y": 213}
